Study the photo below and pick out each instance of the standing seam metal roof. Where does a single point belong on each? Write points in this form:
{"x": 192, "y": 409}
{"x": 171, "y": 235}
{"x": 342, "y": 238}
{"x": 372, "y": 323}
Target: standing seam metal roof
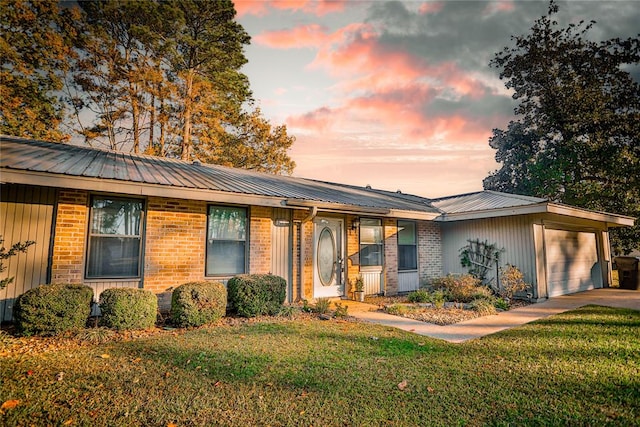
{"x": 70, "y": 160}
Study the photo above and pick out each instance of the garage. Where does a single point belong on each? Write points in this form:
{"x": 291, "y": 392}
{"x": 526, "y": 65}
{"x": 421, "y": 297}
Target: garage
{"x": 572, "y": 262}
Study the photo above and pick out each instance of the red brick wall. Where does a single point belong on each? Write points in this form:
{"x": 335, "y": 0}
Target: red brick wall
{"x": 390, "y": 256}
{"x": 260, "y": 240}
{"x": 70, "y": 237}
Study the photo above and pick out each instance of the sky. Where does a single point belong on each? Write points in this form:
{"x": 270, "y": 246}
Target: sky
{"x": 397, "y": 94}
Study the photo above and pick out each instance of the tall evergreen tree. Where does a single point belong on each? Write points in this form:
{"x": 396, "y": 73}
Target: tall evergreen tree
{"x": 576, "y": 136}
{"x": 34, "y": 50}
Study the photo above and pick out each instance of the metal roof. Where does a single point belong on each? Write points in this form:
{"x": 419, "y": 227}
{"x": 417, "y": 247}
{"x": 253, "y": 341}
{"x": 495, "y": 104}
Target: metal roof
{"x": 482, "y": 201}
{"x": 35, "y": 162}
{"x": 73, "y": 161}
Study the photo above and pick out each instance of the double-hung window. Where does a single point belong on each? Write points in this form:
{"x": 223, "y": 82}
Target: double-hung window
{"x": 370, "y": 242}
{"x": 407, "y": 246}
{"x": 115, "y": 238}
{"x": 226, "y": 241}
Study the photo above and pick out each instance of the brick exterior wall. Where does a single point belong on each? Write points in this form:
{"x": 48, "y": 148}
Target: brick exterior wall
{"x": 429, "y": 251}
{"x": 70, "y": 237}
{"x": 390, "y": 230}
{"x": 353, "y": 249}
{"x": 260, "y": 240}
{"x": 175, "y": 243}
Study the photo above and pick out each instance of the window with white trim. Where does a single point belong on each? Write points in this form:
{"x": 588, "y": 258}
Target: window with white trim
{"x": 115, "y": 238}
{"x": 370, "y": 242}
{"x": 226, "y": 241}
{"x": 407, "y": 246}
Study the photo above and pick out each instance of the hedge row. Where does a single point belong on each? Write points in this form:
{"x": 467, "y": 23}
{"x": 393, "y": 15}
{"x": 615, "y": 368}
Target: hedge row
{"x": 58, "y": 308}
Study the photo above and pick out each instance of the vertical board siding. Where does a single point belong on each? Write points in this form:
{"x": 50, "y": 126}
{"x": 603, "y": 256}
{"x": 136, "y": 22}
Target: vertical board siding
{"x": 408, "y": 281}
{"x": 514, "y": 234}
{"x": 26, "y": 213}
{"x": 372, "y": 282}
{"x": 281, "y": 242}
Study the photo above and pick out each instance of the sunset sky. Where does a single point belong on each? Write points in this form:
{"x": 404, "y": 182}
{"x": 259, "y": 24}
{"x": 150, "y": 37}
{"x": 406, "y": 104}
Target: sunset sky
{"x": 398, "y": 95}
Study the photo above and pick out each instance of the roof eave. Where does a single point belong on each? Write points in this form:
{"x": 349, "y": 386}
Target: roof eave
{"x": 134, "y": 188}
{"x": 612, "y": 220}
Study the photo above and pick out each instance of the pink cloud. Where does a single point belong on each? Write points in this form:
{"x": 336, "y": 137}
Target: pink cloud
{"x": 431, "y": 7}
{"x": 313, "y": 35}
{"x": 314, "y": 7}
{"x": 499, "y": 6}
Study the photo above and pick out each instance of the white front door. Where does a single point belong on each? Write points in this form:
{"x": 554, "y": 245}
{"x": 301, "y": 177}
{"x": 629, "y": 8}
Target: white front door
{"x": 328, "y": 257}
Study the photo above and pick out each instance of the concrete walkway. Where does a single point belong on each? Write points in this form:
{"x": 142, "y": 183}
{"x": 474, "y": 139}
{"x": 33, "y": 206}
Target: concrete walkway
{"x": 487, "y": 325}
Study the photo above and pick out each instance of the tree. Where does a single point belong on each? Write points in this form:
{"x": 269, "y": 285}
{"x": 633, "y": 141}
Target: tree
{"x": 6, "y": 254}
{"x": 163, "y": 77}
{"x": 34, "y": 47}
{"x": 252, "y": 144}
{"x": 576, "y": 136}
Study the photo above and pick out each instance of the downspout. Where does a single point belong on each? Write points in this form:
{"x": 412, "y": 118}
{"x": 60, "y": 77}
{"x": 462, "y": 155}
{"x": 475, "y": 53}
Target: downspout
{"x": 313, "y": 211}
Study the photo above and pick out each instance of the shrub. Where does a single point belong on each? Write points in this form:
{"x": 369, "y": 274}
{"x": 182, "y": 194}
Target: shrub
{"x": 198, "y": 303}
{"x": 128, "y": 308}
{"x": 341, "y": 311}
{"x": 53, "y": 309}
{"x": 255, "y": 294}
{"x": 421, "y": 295}
{"x": 511, "y": 282}
{"x": 437, "y": 298}
{"x": 463, "y": 288}
{"x": 397, "y": 309}
{"x": 483, "y": 307}
{"x": 322, "y": 305}
{"x": 501, "y": 304}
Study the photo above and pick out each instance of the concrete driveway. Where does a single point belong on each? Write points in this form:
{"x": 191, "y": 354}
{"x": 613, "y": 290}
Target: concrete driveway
{"x": 487, "y": 325}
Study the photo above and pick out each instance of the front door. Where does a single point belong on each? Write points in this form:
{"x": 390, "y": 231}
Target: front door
{"x": 328, "y": 258}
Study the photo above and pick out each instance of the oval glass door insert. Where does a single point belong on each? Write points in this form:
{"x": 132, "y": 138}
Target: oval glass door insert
{"x": 326, "y": 256}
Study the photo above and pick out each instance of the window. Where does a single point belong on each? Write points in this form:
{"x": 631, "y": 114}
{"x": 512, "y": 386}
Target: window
{"x": 115, "y": 238}
{"x": 370, "y": 242}
{"x": 407, "y": 247}
{"x": 226, "y": 241}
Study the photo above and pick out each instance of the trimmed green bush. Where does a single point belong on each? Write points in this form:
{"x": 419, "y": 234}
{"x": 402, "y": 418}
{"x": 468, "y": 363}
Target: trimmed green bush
{"x": 198, "y": 303}
{"x": 53, "y": 309}
{"x": 128, "y": 308}
{"x": 256, "y": 294}
{"x": 421, "y": 295}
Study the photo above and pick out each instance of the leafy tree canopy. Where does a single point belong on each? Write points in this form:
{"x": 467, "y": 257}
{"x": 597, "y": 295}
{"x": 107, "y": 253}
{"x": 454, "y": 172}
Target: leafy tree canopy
{"x": 576, "y": 135}
{"x": 159, "y": 77}
{"x": 34, "y": 51}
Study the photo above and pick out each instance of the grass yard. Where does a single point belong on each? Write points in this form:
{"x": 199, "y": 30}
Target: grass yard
{"x": 577, "y": 368}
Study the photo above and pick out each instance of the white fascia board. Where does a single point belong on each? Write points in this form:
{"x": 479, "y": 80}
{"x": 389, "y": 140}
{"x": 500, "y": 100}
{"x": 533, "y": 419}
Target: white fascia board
{"x": 493, "y": 213}
{"x": 402, "y": 214}
{"x": 134, "y": 188}
{"x": 612, "y": 220}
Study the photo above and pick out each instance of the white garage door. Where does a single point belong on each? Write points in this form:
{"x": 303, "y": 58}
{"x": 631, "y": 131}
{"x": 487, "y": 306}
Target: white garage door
{"x": 572, "y": 262}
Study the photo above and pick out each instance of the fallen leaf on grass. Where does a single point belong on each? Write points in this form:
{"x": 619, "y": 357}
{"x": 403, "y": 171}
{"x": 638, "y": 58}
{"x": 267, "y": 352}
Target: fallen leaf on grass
{"x": 218, "y": 383}
{"x": 10, "y": 404}
{"x": 172, "y": 425}
{"x": 68, "y": 422}
{"x": 402, "y": 385}
{"x": 104, "y": 356}
{"x": 60, "y": 376}
{"x": 430, "y": 390}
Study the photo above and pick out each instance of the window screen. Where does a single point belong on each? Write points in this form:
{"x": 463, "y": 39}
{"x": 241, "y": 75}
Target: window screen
{"x": 226, "y": 241}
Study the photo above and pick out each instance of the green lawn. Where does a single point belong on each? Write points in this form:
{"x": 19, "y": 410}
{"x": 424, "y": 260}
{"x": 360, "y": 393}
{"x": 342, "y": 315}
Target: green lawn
{"x": 578, "y": 368}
